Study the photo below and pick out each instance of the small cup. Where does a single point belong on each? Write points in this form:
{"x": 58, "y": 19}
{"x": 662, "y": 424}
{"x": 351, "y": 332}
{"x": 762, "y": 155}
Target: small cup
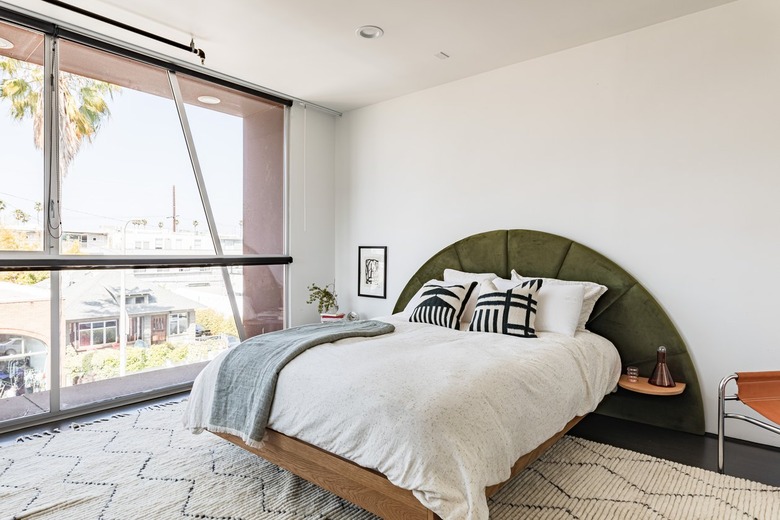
{"x": 633, "y": 373}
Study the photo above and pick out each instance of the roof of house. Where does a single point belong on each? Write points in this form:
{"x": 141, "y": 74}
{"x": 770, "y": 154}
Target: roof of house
{"x": 14, "y": 293}
{"x": 90, "y": 295}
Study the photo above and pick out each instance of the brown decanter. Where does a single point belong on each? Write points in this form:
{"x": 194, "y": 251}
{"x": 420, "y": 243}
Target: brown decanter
{"x": 661, "y": 375}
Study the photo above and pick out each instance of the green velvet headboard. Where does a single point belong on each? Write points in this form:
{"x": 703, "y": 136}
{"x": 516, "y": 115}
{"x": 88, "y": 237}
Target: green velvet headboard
{"x": 626, "y": 314}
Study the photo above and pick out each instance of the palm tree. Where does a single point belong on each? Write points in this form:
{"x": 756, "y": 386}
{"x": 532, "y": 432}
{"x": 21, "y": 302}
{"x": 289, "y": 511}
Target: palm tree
{"x": 38, "y": 208}
{"x": 21, "y": 216}
{"x": 2, "y": 208}
{"x": 83, "y": 105}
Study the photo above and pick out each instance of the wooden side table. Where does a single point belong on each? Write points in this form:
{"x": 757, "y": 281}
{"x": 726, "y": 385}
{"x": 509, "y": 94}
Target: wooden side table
{"x": 643, "y": 387}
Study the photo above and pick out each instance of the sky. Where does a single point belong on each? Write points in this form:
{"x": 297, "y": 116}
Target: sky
{"x": 129, "y": 169}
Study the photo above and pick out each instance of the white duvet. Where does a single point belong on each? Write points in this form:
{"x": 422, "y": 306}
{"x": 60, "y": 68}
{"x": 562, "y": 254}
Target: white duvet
{"x": 441, "y": 412}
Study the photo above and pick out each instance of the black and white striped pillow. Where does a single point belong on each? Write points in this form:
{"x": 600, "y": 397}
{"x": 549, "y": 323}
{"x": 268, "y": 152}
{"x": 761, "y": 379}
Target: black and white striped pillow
{"x": 510, "y": 312}
{"x": 442, "y": 303}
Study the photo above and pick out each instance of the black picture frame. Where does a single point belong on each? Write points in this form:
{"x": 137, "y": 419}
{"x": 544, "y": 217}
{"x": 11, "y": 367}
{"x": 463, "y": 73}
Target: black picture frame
{"x": 372, "y": 271}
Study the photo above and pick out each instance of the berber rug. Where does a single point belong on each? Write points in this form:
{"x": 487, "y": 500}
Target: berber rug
{"x": 144, "y": 465}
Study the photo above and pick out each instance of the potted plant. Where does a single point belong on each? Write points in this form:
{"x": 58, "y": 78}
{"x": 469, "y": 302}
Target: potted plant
{"x": 327, "y": 304}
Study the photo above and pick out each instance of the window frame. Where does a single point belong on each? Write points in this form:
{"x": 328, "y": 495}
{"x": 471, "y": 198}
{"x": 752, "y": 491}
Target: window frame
{"x": 51, "y": 257}
{"x": 175, "y": 318}
{"x": 91, "y": 327}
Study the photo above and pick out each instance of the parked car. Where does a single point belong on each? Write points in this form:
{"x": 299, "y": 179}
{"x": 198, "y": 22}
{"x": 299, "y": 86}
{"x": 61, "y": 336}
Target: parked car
{"x": 11, "y": 347}
{"x": 200, "y": 331}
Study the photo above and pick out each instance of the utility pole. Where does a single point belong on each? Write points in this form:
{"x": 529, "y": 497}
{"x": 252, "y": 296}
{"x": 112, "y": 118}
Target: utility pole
{"x": 174, "y": 208}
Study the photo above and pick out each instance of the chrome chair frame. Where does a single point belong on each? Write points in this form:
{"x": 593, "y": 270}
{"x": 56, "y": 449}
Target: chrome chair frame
{"x": 723, "y": 415}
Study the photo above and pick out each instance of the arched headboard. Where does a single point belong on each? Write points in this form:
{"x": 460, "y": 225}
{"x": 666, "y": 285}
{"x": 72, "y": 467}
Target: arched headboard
{"x": 626, "y": 314}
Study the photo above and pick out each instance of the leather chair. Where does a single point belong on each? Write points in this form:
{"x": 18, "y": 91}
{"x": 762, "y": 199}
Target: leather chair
{"x": 758, "y": 390}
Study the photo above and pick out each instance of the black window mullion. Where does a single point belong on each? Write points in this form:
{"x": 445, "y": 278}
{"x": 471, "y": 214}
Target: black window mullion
{"x": 27, "y": 21}
{"x": 81, "y": 262}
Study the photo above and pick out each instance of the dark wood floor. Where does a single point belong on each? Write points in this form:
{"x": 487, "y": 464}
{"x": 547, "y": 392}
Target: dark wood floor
{"x": 743, "y": 459}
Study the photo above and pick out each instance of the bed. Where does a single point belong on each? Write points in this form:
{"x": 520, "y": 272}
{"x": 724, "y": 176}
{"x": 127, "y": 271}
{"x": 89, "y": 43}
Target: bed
{"x": 626, "y": 315}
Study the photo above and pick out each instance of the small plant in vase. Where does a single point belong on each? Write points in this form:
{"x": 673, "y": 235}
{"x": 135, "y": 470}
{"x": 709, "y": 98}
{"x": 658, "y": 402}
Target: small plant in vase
{"x": 327, "y": 304}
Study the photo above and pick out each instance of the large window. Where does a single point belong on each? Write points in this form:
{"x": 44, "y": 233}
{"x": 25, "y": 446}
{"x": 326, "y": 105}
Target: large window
{"x": 150, "y": 199}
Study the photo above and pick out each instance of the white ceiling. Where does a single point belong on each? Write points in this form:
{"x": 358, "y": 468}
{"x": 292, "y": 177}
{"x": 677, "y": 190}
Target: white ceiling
{"x": 308, "y": 49}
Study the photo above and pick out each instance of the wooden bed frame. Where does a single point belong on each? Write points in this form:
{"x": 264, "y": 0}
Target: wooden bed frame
{"x": 361, "y": 486}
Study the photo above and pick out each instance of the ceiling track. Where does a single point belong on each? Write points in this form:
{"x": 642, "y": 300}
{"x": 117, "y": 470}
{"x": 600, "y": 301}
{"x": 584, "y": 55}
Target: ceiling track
{"x": 191, "y": 47}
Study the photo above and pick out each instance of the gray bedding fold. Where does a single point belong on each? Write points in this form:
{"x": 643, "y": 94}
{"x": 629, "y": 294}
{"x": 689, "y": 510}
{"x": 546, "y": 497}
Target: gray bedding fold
{"x": 247, "y": 378}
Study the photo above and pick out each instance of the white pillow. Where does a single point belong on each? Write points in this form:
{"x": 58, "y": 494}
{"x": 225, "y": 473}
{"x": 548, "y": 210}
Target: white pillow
{"x": 559, "y": 305}
{"x": 511, "y": 312}
{"x": 452, "y": 275}
{"x": 592, "y": 292}
{"x": 442, "y": 303}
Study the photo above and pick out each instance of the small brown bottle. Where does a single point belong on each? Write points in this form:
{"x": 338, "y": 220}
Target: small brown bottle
{"x": 661, "y": 375}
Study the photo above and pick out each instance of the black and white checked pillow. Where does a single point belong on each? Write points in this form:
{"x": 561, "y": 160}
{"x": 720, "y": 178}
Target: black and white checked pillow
{"x": 510, "y": 312}
{"x": 442, "y": 303}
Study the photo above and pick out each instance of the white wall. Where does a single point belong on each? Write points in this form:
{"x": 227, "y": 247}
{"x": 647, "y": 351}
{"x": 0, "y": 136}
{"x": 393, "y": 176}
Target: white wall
{"x": 659, "y": 148}
{"x": 311, "y": 208}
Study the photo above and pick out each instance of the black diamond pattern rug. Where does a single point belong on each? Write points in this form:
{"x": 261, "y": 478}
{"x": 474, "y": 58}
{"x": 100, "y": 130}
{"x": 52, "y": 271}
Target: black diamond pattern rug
{"x": 144, "y": 465}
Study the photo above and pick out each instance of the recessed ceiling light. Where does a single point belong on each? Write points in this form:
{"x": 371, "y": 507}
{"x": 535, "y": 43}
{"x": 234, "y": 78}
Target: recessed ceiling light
{"x": 369, "y": 32}
{"x": 209, "y": 100}
{"x": 5, "y": 44}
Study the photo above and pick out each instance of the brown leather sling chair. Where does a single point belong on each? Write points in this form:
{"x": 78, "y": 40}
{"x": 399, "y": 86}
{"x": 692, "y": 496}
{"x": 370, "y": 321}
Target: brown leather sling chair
{"x": 758, "y": 390}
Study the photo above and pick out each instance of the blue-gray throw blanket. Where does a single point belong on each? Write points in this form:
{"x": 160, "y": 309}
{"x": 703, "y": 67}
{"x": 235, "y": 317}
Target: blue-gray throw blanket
{"x": 246, "y": 381}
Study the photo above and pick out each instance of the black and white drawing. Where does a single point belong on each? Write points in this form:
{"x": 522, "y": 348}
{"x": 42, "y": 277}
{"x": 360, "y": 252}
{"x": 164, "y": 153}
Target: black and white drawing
{"x": 372, "y": 271}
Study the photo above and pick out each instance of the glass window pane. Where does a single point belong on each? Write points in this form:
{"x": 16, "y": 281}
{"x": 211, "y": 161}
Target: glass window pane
{"x": 133, "y": 183}
{"x": 240, "y": 145}
{"x": 261, "y": 297}
{"x": 25, "y": 331}
{"x": 21, "y": 125}
{"x": 161, "y": 346}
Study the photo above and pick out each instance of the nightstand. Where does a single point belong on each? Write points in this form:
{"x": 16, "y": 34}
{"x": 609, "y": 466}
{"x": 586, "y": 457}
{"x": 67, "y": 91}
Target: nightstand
{"x": 643, "y": 387}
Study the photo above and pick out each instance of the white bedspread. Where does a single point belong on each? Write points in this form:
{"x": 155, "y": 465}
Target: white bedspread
{"x": 441, "y": 412}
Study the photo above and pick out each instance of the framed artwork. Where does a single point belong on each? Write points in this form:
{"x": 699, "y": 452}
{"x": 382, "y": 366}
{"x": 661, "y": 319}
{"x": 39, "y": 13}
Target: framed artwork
{"x": 372, "y": 271}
